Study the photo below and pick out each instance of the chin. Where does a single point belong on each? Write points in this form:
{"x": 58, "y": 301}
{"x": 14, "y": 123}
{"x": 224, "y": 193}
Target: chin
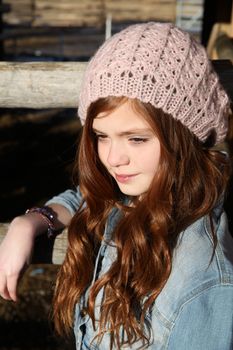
{"x": 133, "y": 193}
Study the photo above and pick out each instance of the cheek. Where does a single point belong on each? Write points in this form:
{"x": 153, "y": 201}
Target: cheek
{"x": 151, "y": 164}
{"x": 150, "y": 159}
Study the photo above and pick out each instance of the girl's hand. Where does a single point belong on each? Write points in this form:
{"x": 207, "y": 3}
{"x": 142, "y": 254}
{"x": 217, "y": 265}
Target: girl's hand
{"x": 17, "y": 247}
{"x": 15, "y": 252}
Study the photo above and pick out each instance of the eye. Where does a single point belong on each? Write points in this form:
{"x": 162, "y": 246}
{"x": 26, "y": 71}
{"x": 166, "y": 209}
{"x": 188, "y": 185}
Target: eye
{"x": 101, "y": 137}
{"x": 138, "y": 140}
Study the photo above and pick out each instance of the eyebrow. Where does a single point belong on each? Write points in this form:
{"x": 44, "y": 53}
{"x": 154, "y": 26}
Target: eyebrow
{"x": 129, "y": 132}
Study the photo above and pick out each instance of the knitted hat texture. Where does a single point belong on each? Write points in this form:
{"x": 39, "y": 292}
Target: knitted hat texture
{"x": 163, "y": 65}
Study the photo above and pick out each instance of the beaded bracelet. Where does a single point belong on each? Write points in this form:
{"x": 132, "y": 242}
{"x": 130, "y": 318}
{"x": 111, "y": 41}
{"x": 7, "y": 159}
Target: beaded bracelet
{"x": 47, "y": 215}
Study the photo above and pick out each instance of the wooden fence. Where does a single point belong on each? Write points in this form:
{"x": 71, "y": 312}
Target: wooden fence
{"x": 51, "y": 85}
{"x": 86, "y": 12}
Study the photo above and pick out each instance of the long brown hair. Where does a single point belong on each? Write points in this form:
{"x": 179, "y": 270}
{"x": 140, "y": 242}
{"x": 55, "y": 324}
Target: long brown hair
{"x": 189, "y": 182}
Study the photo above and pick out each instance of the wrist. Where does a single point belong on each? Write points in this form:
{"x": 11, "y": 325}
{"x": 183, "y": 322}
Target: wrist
{"x": 47, "y": 216}
{"x": 30, "y": 225}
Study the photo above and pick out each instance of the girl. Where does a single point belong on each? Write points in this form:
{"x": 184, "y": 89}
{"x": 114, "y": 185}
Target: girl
{"x": 149, "y": 259}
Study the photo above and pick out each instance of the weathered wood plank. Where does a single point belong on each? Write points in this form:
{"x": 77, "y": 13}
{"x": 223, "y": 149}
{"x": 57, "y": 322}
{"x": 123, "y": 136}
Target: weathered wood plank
{"x": 46, "y": 250}
{"x": 87, "y": 12}
{"x": 122, "y": 10}
{"x": 40, "y": 85}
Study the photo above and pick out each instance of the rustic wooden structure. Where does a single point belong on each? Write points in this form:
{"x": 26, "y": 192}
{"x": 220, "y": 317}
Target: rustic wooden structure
{"x": 220, "y": 44}
{"x": 87, "y": 12}
{"x": 55, "y": 28}
{"x": 4, "y": 8}
{"x": 94, "y": 12}
{"x": 121, "y": 10}
{"x": 45, "y": 85}
{"x": 40, "y": 85}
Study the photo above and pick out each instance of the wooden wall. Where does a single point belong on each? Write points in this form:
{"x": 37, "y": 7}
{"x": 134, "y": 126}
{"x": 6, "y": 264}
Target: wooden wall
{"x": 86, "y": 12}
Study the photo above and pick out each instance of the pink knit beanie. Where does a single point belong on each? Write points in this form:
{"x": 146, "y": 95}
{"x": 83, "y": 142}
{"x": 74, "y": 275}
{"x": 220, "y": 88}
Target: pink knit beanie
{"x": 160, "y": 64}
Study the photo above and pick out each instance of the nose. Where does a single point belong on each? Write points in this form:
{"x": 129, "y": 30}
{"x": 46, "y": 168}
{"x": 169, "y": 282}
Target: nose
{"x": 117, "y": 155}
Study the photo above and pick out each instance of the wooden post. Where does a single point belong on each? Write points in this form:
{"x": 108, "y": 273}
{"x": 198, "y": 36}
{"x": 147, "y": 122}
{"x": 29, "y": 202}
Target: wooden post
{"x": 40, "y": 84}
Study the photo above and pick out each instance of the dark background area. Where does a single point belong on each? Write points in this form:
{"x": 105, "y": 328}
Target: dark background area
{"x": 37, "y": 150}
{"x": 214, "y": 11}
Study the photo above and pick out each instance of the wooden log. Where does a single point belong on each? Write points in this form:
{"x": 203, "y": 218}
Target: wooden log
{"x": 20, "y": 12}
{"x": 63, "y": 6}
{"x": 40, "y": 85}
{"x": 69, "y": 21}
{"x": 87, "y": 12}
{"x": 69, "y": 14}
{"x": 142, "y": 11}
{"x": 52, "y": 13}
{"x": 46, "y": 251}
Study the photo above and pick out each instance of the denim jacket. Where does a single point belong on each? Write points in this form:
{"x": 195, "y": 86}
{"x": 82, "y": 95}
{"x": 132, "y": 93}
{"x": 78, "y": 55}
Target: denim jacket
{"x": 194, "y": 311}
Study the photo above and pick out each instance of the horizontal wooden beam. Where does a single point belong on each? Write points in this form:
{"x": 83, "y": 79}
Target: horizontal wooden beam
{"x": 40, "y": 84}
{"x": 46, "y": 251}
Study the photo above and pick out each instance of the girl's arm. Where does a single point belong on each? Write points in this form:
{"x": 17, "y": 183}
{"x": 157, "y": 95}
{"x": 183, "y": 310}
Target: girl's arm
{"x": 17, "y": 247}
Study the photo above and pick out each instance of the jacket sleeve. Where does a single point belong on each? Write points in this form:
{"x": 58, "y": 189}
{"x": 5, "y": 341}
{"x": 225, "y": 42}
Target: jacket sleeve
{"x": 205, "y": 322}
{"x": 70, "y": 199}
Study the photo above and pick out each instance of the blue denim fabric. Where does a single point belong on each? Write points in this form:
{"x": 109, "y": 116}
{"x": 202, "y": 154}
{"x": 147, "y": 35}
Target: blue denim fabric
{"x": 194, "y": 311}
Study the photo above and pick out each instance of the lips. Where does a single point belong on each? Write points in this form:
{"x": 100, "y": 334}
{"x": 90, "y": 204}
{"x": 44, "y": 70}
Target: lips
{"x": 123, "y": 178}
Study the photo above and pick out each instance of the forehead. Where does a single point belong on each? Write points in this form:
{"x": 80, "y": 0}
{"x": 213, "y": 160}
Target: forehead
{"x": 123, "y": 117}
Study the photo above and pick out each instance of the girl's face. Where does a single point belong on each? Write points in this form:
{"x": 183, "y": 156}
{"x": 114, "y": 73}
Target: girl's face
{"x": 128, "y": 148}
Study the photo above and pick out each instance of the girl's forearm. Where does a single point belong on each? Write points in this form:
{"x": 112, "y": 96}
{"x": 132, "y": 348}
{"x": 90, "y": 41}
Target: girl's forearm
{"x": 62, "y": 216}
{"x": 34, "y": 224}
